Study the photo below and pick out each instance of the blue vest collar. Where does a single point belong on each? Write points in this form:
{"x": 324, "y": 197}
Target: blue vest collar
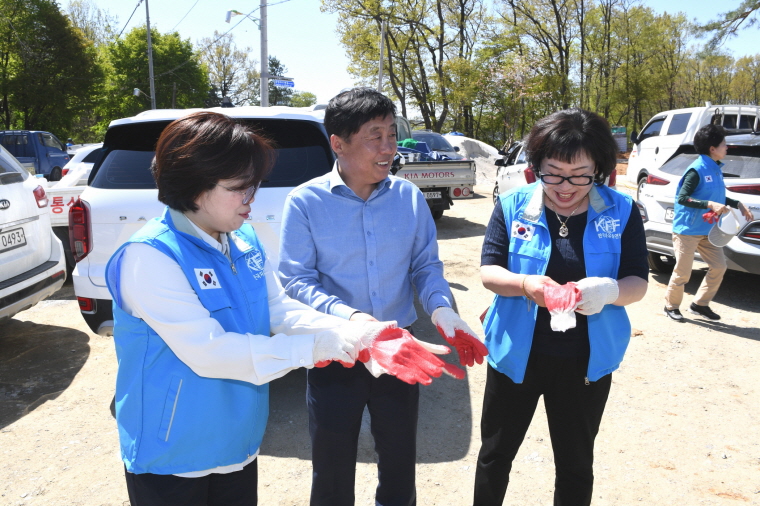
{"x": 535, "y": 207}
{"x": 181, "y": 223}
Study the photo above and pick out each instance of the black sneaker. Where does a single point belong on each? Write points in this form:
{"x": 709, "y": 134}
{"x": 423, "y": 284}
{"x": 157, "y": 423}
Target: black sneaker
{"x": 703, "y": 311}
{"x": 674, "y": 314}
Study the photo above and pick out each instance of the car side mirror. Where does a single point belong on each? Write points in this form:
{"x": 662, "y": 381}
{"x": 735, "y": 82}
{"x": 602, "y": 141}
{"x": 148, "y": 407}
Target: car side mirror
{"x": 634, "y": 137}
{"x": 500, "y": 162}
{"x": 456, "y": 148}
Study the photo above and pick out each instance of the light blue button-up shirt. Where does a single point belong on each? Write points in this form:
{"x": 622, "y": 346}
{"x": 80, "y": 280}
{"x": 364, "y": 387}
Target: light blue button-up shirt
{"x": 340, "y": 254}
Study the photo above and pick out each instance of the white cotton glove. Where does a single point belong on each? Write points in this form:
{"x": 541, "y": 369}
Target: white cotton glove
{"x": 596, "y": 293}
{"x": 458, "y": 334}
{"x": 343, "y": 344}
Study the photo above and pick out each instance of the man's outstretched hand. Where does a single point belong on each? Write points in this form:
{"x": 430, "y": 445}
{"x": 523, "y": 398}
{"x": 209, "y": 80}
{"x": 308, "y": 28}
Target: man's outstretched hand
{"x": 396, "y": 352}
{"x": 458, "y": 334}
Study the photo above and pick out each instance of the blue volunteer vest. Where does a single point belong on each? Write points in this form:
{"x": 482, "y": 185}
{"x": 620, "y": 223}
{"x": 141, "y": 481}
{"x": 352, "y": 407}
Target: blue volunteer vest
{"x": 509, "y": 325}
{"x": 688, "y": 220}
{"x": 170, "y": 419}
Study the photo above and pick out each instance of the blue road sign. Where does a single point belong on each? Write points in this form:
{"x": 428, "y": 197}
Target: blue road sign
{"x": 283, "y": 84}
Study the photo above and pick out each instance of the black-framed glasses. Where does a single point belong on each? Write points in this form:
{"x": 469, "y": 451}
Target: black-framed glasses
{"x": 247, "y": 195}
{"x": 573, "y": 180}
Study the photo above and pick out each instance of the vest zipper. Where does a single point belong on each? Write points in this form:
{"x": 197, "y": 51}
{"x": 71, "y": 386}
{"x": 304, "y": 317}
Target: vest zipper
{"x": 234, "y": 269}
{"x": 586, "y": 381}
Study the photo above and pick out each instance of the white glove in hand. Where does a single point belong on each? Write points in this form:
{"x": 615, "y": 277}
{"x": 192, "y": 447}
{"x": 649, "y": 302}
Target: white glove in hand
{"x": 596, "y": 293}
{"x": 344, "y": 343}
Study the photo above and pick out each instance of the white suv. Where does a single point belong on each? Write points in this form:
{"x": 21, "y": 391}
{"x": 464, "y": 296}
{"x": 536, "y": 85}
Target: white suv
{"x": 32, "y": 265}
{"x": 122, "y": 196}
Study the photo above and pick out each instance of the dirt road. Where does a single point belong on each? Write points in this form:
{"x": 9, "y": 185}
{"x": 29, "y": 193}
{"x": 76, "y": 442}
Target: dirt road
{"x": 681, "y": 426}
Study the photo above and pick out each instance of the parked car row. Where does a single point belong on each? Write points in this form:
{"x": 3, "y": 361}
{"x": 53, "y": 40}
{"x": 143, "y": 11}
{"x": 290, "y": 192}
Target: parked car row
{"x": 32, "y": 264}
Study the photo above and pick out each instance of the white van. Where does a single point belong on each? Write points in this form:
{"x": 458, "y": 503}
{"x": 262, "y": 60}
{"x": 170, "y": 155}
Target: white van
{"x": 666, "y": 131}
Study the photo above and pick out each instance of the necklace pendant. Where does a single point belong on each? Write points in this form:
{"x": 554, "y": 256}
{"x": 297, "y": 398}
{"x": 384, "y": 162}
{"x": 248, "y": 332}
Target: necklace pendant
{"x": 563, "y": 232}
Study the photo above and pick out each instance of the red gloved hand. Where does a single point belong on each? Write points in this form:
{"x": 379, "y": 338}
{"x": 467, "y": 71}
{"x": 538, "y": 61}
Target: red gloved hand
{"x": 458, "y": 334}
{"x": 562, "y": 297}
{"x": 396, "y": 352}
{"x": 711, "y": 217}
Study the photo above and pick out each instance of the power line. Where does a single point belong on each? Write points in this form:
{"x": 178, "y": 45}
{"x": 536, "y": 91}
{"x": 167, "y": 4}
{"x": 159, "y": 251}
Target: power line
{"x": 219, "y": 38}
{"x": 183, "y": 17}
{"x": 130, "y": 18}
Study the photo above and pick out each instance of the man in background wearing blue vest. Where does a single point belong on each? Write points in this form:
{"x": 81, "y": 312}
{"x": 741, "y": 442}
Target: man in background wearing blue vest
{"x": 701, "y": 188}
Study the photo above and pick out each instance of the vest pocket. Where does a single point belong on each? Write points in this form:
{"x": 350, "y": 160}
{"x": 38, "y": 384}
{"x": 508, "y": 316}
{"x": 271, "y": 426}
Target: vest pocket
{"x": 170, "y": 408}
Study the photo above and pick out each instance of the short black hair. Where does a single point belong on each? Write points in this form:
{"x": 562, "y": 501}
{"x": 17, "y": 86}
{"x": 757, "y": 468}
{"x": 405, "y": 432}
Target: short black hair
{"x": 564, "y": 135}
{"x": 196, "y": 151}
{"x": 349, "y": 110}
{"x": 709, "y": 136}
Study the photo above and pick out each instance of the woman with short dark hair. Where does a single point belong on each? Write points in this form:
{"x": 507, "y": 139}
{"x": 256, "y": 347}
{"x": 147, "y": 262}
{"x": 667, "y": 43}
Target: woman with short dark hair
{"x": 202, "y": 324}
{"x": 567, "y": 227}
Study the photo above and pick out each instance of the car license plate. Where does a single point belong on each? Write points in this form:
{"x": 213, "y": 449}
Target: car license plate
{"x": 669, "y": 213}
{"x": 12, "y": 239}
{"x": 432, "y": 195}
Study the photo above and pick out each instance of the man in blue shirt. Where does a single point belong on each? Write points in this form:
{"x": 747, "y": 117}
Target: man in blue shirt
{"x": 355, "y": 243}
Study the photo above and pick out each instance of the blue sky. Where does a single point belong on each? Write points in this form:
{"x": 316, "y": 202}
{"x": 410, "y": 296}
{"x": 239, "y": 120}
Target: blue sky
{"x": 304, "y": 39}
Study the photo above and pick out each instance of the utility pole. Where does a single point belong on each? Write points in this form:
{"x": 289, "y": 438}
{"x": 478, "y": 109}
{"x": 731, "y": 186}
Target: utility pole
{"x": 382, "y": 50}
{"x": 150, "y": 59}
{"x": 264, "y": 55}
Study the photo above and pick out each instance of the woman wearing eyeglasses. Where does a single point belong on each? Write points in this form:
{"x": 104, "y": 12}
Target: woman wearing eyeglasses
{"x": 568, "y": 226}
{"x": 202, "y": 324}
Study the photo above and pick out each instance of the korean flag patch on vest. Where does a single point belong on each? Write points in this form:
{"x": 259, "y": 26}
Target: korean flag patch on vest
{"x": 522, "y": 231}
{"x": 207, "y": 279}
{"x": 708, "y": 179}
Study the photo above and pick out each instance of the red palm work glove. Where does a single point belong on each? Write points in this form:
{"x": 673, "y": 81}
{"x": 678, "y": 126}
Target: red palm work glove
{"x": 396, "y": 352}
{"x": 458, "y": 334}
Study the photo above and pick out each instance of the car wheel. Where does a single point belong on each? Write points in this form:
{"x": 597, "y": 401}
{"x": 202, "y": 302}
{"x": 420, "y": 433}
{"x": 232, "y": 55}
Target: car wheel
{"x": 496, "y": 194}
{"x": 437, "y": 214}
{"x": 639, "y": 186}
{"x": 661, "y": 263}
{"x": 55, "y": 174}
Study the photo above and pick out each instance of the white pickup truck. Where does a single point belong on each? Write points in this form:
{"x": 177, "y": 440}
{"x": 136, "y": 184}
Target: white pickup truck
{"x": 441, "y": 182}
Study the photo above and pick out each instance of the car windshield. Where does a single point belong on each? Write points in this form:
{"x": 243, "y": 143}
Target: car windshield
{"x": 745, "y": 164}
{"x": 435, "y": 141}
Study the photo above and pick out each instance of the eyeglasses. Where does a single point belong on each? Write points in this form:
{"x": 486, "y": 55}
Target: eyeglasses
{"x": 573, "y": 180}
{"x": 247, "y": 195}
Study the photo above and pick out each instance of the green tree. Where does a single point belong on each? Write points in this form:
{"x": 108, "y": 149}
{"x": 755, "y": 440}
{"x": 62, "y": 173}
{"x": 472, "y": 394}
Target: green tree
{"x": 729, "y": 22}
{"x": 97, "y": 26}
{"x": 302, "y": 99}
{"x": 277, "y": 94}
{"x": 47, "y": 68}
{"x": 230, "y": 72}
{"x": 181, "y": 80}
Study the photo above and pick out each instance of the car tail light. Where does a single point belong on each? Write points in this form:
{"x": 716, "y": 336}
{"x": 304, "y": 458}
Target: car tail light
{"x": 64, "y": 171}
{"x": 40, "y": 196}
{"x": 457, "y": 192}
{"x": 656, "y": 180}
{"x": 530, "y": 176}
{"x": 750, "y": 189}
{"x": 465, "y": 192}
{"x": 752, "y": 233}
{"x": 613, "y": 178}
{"x": 80, "y": 229}
{"x": 86, "y": 304}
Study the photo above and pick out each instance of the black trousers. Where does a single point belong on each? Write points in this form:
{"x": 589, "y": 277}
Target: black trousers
{"x": 231, "y": 489}
{"x": 574, "y": 411}
{"x": 336, "y": 397}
